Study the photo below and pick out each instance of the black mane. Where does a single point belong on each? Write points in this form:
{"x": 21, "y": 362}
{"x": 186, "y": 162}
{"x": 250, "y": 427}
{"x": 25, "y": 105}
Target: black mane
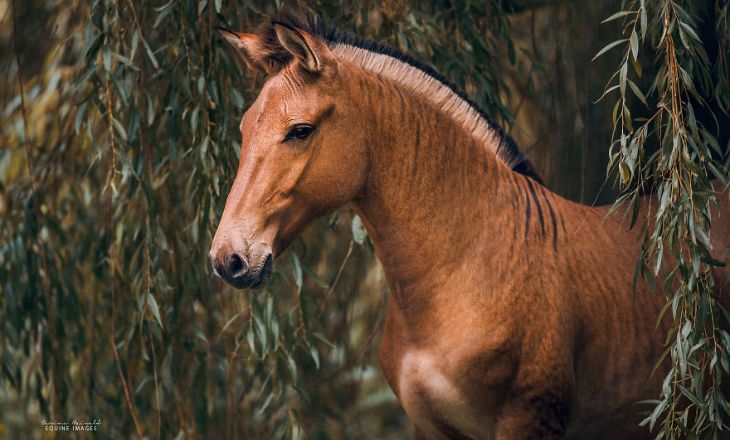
{"x": 316, "y": 26}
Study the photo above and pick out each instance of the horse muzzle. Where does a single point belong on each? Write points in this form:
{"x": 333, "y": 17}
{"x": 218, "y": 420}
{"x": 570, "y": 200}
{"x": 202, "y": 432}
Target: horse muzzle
{"x": 238, "y": 271}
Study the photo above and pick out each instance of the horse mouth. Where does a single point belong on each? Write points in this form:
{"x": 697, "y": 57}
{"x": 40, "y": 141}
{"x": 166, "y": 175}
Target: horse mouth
{"x": 264, "y": 274}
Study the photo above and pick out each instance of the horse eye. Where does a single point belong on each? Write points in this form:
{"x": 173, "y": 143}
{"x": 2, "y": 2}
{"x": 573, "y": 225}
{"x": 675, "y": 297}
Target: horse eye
{"x": 300, "y": 132}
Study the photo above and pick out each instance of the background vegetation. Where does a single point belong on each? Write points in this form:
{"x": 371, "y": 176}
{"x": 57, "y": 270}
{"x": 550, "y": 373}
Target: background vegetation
{"x": 119, "y": 143}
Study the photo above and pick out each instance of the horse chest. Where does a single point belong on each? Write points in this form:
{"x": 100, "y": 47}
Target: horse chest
{"x": 435, "y": 399}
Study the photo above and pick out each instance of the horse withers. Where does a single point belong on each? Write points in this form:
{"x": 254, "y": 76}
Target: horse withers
{"x": 511, "y": 314}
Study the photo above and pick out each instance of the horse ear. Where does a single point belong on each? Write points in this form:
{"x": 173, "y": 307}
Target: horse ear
{"x": 250, "y": 48}
{"x": 313, "y": 55}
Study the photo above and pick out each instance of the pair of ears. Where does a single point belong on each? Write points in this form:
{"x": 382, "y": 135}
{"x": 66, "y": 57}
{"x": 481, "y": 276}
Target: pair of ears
{"x": 262, "y": 56}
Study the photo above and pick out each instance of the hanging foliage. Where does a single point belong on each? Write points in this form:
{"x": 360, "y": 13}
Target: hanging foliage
{"x": 668, "y": 149}
{"x": 120, "y": 139}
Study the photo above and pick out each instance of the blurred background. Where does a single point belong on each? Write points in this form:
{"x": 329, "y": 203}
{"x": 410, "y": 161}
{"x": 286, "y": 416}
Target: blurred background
{"x": 119, "y": 144}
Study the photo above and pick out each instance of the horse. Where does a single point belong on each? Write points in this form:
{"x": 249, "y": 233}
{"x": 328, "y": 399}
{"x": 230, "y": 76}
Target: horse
{"x": 511, "y": 312}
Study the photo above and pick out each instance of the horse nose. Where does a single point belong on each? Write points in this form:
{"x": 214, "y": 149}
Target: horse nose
{"x": 231, "y": 267}
{"x": 236, "y": 267}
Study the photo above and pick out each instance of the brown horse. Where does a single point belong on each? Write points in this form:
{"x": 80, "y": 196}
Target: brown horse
{"x": 511, "y": 313}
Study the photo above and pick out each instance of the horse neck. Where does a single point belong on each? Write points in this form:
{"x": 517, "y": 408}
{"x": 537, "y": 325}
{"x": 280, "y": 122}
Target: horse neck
{"x": 435, "y": 196}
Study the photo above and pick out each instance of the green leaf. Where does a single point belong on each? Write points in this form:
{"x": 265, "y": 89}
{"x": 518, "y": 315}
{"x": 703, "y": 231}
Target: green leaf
{"x": 643, "y": 19}
{"x": 236, "y": 99}
{"x": 163, "y": 7}
{"x": 690, "y": 31}
{"x": 120, "y": 129}
{"x": 658, "y": 262}
{"x": 618, "y": 15}
{"x": 315, "y": 355}
{"x": 162, "y": 15}
{"x": 107, "y": 58}
{"x": 152, "y": 302}
{"x": 634, "y": 44}
{"x": 637, "y": 91}
{"x": 150, "y": 111}
{"x": 609, "y": 47}
{"x": 93, "y": 48}
{"x": 150, "y": 54}
{"x": 250, "y": 340}
{"x": 262, "y": 333}
{"x": 297, "y": 270}
{"x": 134, "y": 45}
{"x": 622, "y": 78}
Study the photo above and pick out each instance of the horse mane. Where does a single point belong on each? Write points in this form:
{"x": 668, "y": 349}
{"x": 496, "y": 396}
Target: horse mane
{"x": 505, "y": 149}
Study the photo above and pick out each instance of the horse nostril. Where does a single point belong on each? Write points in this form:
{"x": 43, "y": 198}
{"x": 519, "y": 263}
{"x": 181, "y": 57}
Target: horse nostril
{"x": 236, "y": 266}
